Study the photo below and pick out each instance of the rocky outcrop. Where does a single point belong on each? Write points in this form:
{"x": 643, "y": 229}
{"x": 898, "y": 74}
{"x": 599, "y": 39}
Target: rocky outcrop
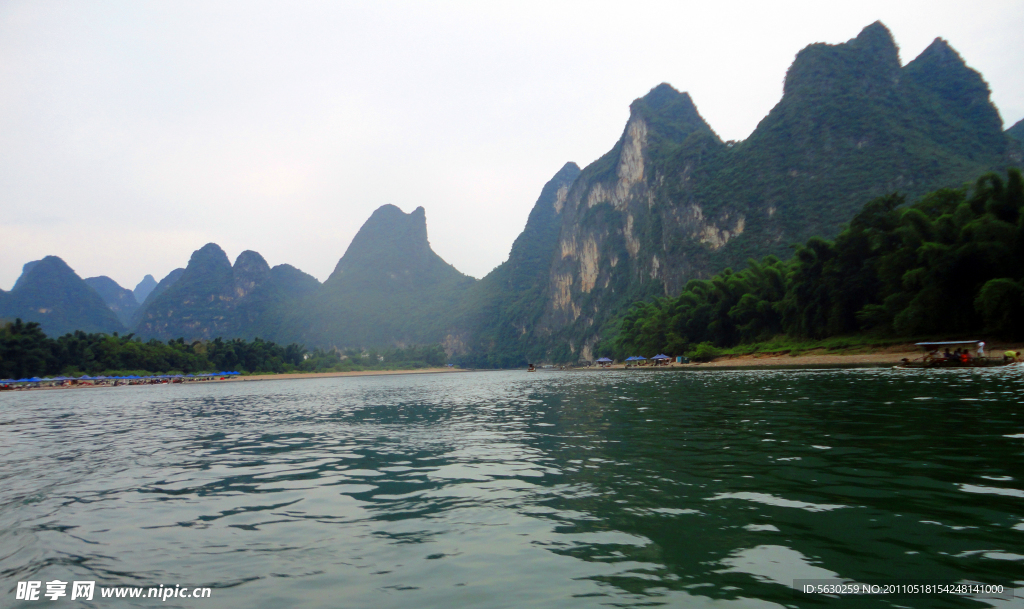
{"x": 671, "y": 202}
{"x": 609, "y": 239}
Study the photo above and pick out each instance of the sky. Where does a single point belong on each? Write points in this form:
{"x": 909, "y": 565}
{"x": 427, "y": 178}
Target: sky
{"x": 133, "y": 133}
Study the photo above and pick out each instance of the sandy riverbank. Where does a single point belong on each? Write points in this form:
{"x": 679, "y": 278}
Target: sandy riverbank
{"x": 259, "y": 377}
{"x": 313, "y": 375}
{"x": 880, "y": 356}
{"x": 811, "y": 359}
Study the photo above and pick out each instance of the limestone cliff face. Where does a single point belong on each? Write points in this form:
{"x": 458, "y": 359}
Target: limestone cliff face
{"x": 495, "y": 324}
{"x": 618, "y": 223}
{"x": 249, "y": 271}
{"x": 671, "y": 202}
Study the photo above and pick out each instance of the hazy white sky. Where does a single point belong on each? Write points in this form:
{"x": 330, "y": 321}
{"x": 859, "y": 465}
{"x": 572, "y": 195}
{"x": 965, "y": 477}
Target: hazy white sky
{"x": 132, "y": 133}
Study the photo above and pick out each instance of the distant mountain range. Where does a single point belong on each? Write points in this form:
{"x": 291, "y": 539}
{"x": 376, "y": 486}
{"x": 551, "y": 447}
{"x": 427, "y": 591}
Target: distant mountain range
{"x": 50, "y": 293}
{"x": 211, "y": 297}
{"x": 119, "y": 300}
{"x": 670, "y": 202}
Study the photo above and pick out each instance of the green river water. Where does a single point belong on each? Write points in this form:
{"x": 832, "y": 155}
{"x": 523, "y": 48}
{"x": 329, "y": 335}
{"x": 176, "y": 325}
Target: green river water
{"x": 509, "y": 489}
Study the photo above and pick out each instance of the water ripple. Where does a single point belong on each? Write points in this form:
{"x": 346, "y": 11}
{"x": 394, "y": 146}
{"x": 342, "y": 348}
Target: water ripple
{"x": 507, "y": 489}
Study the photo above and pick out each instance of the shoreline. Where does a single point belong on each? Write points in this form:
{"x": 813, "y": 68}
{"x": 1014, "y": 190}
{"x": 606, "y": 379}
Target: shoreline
{"x": 311, "y": 375}
{"x": 815, "y": 358}
{"x": 261, "y": 377}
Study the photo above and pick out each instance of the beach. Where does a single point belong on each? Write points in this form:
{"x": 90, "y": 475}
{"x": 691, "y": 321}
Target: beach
{"x": 814, "y": 358}
{"x": 253, "y": 377}
{"x": 311, "y": 375}
{"x": 874, "y": 356}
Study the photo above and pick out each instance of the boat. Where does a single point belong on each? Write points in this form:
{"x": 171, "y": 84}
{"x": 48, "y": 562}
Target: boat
{"x": 961, "y": 358}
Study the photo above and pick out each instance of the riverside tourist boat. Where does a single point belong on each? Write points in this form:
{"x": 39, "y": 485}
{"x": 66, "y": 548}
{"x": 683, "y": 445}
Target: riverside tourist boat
{"x": 966, "y": 354}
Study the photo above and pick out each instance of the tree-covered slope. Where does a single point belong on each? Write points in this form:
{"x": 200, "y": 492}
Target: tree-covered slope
{"x": 671, "y": 202}
{"x": 1016, "y": 132}
{"x": 949, "y": 266}
{"x": 161, "y": 287}
{"x": 211, "y": 298}
{"x": 142, "y": 290}
{"x": 120, "y": 300}
{"x": 853, "y": 125}
{"x": 51, "y": 293}
{"x": 389, "y": 288}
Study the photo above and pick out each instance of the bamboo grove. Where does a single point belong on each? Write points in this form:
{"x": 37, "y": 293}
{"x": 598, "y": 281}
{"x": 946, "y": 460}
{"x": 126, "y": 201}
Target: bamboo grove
{"x": 949, "y": 265}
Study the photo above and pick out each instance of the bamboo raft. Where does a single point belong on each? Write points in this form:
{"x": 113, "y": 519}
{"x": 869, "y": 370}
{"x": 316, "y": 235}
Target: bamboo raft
{"x": 933, "y": 359}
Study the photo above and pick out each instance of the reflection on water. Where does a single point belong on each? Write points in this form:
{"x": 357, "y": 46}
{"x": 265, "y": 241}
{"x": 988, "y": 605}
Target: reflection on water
{"x": 509, "y": 489}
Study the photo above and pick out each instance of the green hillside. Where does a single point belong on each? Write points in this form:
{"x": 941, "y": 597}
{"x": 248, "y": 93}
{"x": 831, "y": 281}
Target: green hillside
{"x": 144, "y": 287}
{"x": 951, "y": 265}
{"x": 120, "y": 300}
{"x": 670, "y": 202}
{"x": 1017, "y": 131}
{"x": 388, "y": 289}
{"x": 51, "y": 293}
{"x": 211, "y": 298}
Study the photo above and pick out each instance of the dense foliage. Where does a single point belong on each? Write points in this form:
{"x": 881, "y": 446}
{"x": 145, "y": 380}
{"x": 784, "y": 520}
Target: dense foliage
{"x": 396, "y": 358}
{"x": 949, "y": 265}
{"x": 25, "y": 351}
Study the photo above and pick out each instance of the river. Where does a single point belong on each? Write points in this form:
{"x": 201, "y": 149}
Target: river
{"x": 509, "y": 489}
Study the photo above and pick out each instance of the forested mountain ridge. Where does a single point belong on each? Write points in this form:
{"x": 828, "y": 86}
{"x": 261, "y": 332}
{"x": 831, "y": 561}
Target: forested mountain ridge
{"x": 51, "y": 293}
{"x": 389, "y": 288}
{"x": 672, "y": 202}
{"x": 162, "y": 286}
{"x": 120, "y": 300}
{"x": 144, "y": 288}
{"x": 211, "y": 298}
{"x": 951, "y": 264}
{"x": 669, "y": 203}
{"x": 1017, "y": 131}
